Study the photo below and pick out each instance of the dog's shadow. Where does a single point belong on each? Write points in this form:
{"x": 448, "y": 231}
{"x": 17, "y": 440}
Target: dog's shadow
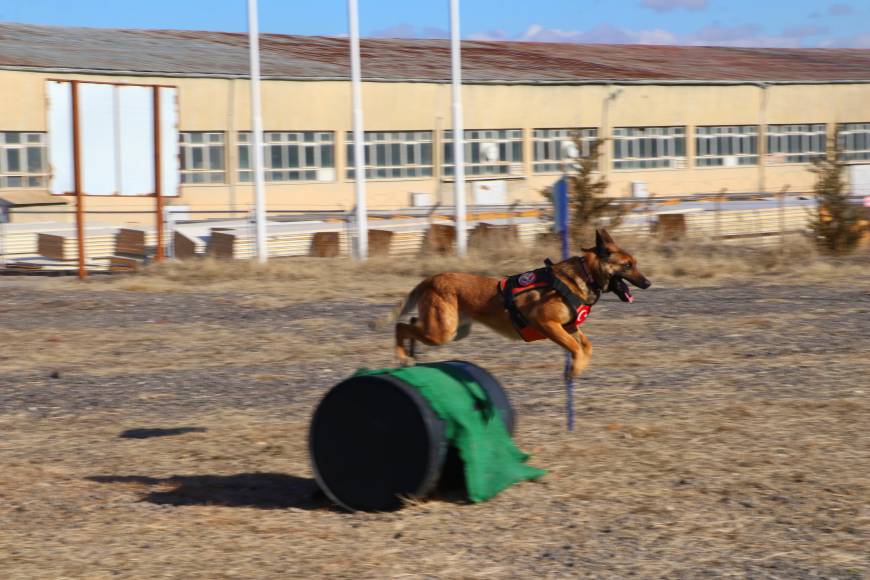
{"x": 251, "y": 490}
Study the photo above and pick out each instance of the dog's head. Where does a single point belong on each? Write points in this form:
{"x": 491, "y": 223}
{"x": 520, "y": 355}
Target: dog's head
{"x": 614, "y": 266}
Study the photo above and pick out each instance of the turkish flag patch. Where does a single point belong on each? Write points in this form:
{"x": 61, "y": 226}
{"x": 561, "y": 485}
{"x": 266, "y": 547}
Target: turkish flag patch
{"x": 582, "y": 313}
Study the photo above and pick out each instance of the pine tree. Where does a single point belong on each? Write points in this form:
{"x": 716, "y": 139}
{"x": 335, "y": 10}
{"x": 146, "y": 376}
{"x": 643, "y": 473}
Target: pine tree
{"x": 836, "y": 223}
{"x": 587, "y": 194}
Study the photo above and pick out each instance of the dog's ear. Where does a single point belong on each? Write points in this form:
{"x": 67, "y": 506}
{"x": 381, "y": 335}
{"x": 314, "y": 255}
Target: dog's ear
{"x": 603, "y": 237}
{"x": 602, "y": 243}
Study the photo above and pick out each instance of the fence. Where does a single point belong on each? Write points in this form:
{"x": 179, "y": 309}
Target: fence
{"x": 47, "y": 243}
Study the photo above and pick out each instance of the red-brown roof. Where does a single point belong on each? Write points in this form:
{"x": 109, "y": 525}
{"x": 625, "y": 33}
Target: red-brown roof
{"x": 223, "y": 54}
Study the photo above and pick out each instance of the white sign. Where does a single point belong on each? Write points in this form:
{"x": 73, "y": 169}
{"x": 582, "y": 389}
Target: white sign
{"x": 116, "y": 139}
{"x": 492, "y": 192}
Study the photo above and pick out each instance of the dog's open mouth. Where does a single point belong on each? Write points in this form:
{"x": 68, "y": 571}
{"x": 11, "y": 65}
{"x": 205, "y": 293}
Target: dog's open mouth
{"x": 620, "y": 288}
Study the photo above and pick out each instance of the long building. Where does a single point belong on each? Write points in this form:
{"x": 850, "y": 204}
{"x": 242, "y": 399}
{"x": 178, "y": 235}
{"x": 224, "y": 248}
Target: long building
{"x": 677, "y": 119}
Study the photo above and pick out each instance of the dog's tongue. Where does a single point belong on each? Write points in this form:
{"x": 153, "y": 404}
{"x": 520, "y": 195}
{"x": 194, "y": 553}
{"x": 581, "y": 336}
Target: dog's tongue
{"x": 626, "y": 291}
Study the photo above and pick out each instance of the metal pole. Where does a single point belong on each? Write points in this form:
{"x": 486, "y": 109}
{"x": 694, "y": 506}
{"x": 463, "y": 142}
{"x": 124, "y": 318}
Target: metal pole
{"x": 458, "y": 131}
{"x": 781, "y": 206}
{"x": 566, "y": 253}
{"x": 257, "y": 133}
{"x": 362, "y": 226}
{"x": 77, "y": 180}
{"x": 158, "y": 179}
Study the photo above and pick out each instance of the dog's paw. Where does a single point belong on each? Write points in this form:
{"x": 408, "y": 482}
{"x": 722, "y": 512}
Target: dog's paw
{"x": 408, "y": 361}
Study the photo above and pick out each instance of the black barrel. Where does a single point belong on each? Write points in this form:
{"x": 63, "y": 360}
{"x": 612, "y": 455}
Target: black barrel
{"x": 375, "y": 440}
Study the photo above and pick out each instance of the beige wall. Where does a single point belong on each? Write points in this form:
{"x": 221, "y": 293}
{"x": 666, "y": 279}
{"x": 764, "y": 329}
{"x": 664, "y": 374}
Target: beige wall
{"x": 222, "y": 105}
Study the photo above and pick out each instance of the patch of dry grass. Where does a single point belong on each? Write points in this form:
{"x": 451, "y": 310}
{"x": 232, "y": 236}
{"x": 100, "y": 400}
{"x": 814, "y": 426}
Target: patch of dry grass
{"x": 293, "y": 280}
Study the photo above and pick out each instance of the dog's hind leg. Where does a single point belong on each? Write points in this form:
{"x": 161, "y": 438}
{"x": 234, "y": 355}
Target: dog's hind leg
{"x": 412, "y": 343}
{"x": 437, "y": 325}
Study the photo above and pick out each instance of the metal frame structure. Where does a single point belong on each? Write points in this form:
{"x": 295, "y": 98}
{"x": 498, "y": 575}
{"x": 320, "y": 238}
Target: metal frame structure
{"x": 77, "y": 192}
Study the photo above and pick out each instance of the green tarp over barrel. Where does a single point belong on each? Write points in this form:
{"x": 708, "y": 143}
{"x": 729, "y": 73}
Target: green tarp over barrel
{"x": 491, "y": 460}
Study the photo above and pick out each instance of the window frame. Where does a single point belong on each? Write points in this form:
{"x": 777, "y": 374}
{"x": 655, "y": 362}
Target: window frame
{"x": 861, "y": 133}
{"x": 186, "y": 154}
{"x": 29, "y": 179}
{"x": 642, "y": 147}
{"x": 546, "y": 141}
{"x": 287, "y": 143}
{"x": 383, "y": 146}
{"x": 710, "y": 138}
{"x": 804, "y": 134}
{"x": 508, "y": 140}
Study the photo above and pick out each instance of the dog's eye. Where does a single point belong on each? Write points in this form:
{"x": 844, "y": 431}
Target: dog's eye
{"x": 627, "y": 265}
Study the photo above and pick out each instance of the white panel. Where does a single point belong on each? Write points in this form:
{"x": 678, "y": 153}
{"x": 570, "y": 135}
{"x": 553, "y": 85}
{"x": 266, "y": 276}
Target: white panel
{"x": 859, "y": 178}
{"x": 97, "y": 139}
{"x": 135, "y": 130}
{"x": 60, "y": 143}
{"x": 489, "y": 192}
{"x": 169, "y": 140}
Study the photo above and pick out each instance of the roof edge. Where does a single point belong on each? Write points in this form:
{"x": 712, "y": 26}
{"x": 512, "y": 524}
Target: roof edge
{"x": 205, "y": 75}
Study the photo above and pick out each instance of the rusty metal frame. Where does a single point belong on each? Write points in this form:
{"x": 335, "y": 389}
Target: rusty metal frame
{"x": 77, "y": 180}
{"x": 158, "y": 176}
{"x": 77, "y": 177}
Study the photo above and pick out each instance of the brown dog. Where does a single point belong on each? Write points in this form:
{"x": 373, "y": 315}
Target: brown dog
{"x": 546, "y": 303}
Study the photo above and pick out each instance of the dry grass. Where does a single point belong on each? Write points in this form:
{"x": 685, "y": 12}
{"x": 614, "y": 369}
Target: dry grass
{"x": 294, "y": 280}
{"x": 707, "y": 445}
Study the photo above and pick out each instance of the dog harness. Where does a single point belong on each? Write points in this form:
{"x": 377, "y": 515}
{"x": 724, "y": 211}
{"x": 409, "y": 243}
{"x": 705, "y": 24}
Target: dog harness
{"x": 542, "y": 278}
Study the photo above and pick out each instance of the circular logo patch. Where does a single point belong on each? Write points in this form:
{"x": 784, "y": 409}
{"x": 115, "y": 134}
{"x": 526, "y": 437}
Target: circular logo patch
{"x": 526, "y": 279}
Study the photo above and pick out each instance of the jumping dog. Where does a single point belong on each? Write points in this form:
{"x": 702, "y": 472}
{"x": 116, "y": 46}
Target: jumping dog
{"x": 549, "y": 302}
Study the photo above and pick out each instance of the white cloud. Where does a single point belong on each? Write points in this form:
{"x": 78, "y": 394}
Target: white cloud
{"x": 841, "y": 9}
{"x": 668, "y": 5}
{"x": 603, "y": 34}
{"x": 406, "y": 30}
{"x": 716, "y": 34}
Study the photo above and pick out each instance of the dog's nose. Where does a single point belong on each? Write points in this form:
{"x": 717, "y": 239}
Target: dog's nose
{"x": 645, "y": 284}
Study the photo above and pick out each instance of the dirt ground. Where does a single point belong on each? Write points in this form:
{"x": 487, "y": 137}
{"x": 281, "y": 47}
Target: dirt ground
{"x": 155, "y": 427}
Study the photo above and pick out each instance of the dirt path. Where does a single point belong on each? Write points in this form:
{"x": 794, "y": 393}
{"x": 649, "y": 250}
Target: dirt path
{"x": 721, "y": 430}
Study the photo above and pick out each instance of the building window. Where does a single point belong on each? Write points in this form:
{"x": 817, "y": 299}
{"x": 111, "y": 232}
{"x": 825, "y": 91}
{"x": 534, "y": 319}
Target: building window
{"x": 854, "y": 141}
{"x": 393, "y": 155}
{"x": 22, "y": 159}
{"x": 291, "y": 156}
{"x": 202, "y": 157}
{"x": 795, "y": 143}
{"x": 649, "y": 147}
{"x": 726, "y": 145}
{"x": 488, "y": 152}
{"x": 550, "y": 146}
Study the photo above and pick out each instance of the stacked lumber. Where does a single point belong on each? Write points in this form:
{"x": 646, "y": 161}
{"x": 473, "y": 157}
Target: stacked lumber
{"x": 99, "y": 243}
{"x": 439, "y": 239}
{"x": 380, "y": 242}
{"x": 129, "y": 242}
{"x": 183, "y": 246}
{"x": 324, "y": 245}
{"x": 488, "y": 236}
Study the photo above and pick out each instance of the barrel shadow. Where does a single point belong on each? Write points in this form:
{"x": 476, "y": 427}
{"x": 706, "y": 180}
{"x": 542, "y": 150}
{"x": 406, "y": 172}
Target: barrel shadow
{"x": 149, "y": 432}
{"x": 251, "y": 490}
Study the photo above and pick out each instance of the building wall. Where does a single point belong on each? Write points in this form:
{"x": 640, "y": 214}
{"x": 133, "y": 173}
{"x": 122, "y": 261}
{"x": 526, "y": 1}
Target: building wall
{"x": 222, "y": 105}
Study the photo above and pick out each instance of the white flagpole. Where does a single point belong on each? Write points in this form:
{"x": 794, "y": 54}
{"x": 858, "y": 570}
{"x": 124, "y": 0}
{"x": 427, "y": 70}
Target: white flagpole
{"x": 458, "y": 131}
{"x": 257, "y": 133}
{"x": 362, "y": 227}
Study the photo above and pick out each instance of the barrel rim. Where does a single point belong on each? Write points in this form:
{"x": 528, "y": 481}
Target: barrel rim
{"x": 434, "y": 427}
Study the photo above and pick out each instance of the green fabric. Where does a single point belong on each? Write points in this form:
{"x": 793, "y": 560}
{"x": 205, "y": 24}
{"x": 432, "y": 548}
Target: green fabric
{"x": 492, "y": 461}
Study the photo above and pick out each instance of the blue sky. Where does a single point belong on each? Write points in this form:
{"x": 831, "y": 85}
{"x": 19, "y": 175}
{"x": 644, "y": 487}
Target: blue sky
{"x": 789, "y": 23}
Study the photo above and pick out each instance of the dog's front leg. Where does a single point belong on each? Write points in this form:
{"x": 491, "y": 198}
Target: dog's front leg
{"x": 572, "y": 343}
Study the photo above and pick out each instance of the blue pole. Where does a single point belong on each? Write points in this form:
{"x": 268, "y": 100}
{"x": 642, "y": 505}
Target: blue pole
{"x": 562, "y": 225}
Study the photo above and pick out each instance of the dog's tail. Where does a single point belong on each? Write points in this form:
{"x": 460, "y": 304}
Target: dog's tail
{"x": 405, "y": 306}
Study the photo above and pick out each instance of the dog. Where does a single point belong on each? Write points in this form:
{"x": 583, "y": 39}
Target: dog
{"x": 548, "y": 303}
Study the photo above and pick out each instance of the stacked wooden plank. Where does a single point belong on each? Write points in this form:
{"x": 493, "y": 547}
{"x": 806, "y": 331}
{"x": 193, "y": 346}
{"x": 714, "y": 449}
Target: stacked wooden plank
{"x": 99, "y": 243}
